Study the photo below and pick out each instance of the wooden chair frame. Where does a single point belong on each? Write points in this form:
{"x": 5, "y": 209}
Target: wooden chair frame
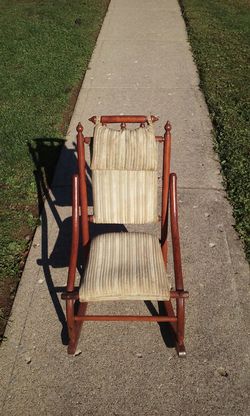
{"x": 75, "y": 310}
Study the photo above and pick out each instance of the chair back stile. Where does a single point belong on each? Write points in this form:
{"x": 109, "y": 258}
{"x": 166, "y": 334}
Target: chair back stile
{"x": 83, "y": 188}
{"x": 165, "y": 191}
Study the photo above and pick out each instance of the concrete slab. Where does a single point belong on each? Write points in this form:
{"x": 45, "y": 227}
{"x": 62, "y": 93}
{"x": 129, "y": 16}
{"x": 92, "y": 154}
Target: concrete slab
{"x": 137, "y": 5}
{"x": 120, "y": 363}
{"x": 184, "y": 107}
{"x": 163, "y": 28}
{"x": 132, "y": 369}
{"x": 144, "y": 65}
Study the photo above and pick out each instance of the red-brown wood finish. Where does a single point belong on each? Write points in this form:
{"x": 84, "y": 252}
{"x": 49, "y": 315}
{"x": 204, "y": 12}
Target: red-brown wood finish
{"x": 72, "y": 264}
{"x": 123, "y": 119}
{"x": 165, "y": 186}
{"x": 75, "y": 330}
{"x": 175, "y": 232}
{"x": 75, "y": 234}
{"x": 169, "y": 200}
{"x": 71, "y": 326}
{"x": 180, "y": 302}
{"x": 139, "y": 318}
{"x": 83, "y": 187}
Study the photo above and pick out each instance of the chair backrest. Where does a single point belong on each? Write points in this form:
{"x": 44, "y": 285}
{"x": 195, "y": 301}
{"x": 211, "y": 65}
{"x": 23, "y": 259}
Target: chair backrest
{"x": 124, "y": 174}
{"x": 147, "y": 198}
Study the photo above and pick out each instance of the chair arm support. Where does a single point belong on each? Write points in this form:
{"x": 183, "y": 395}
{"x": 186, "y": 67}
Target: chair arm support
{"x": 175, "y": 233}
{"x": 75, "y": 234}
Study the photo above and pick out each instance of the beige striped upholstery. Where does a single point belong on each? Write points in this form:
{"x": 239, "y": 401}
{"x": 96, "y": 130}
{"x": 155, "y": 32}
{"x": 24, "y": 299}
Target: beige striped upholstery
{"x": 124, "y": 175}
{"x": 127, "y": 197}
{"x": 124, "y": 149}
{"x": 125, "y": 266}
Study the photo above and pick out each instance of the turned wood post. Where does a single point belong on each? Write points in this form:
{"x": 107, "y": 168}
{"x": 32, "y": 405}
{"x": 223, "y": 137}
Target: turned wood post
{"x": 82, "y": 187}
{"x": 165, "y": 191}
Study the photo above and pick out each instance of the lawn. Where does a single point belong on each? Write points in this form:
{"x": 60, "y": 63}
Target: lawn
{"x": 219, "y": 33}
{"x": 45, "y": 49}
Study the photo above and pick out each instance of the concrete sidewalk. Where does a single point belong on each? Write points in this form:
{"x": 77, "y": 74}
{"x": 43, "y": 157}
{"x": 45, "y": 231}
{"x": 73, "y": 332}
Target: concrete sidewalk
{"x": 142, "y": 64}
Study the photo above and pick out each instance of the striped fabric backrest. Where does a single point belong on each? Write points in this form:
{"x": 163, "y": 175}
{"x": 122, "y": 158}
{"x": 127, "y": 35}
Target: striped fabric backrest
{"x": 124, "y": 175}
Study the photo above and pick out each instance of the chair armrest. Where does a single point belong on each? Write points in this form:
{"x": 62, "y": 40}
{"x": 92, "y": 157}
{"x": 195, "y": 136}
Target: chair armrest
{"x": 75, "y": 234}
{"x": 175, "y": 232}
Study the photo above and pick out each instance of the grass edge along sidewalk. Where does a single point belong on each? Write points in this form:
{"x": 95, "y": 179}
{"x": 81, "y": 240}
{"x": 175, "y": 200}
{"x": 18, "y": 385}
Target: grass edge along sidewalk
{"x": 45, "y": 52}
{"x": 219, "y": 33}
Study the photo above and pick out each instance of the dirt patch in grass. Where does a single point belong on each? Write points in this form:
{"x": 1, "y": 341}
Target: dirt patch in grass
{"x": 8, "y": 289}
{"x": 9, "y": 285}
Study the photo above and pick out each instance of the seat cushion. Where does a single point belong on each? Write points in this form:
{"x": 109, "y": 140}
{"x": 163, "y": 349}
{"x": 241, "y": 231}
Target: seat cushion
{"x": 125, "y": 266}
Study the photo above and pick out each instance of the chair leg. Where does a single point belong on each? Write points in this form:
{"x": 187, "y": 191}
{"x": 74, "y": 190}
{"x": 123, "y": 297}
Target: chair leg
{"x": 71, "y": 326}
{"x": 180, "y": 309}
{"x": 178, "y": 327}
{"x": 74, "y": 328}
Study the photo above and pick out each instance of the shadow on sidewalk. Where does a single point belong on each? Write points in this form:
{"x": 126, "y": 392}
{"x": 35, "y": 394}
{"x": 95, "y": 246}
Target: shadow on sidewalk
{"x": 45, "y": 153}
{"x": 166, "y": 329}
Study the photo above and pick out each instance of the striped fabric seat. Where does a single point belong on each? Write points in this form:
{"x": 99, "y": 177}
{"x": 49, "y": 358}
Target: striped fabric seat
{"x": 125, "y": 266}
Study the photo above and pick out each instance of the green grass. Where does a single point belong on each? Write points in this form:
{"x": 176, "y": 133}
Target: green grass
{"x": 219, "y": 32}
{"x": 45, "y": 49}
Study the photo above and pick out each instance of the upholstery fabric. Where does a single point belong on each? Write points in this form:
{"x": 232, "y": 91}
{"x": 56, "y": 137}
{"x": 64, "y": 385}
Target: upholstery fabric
{"x": 124, "y": 149}
{"x": 124, "y": 175}
{"x": 125, "y": 197}
{"x": 125, "y": 266}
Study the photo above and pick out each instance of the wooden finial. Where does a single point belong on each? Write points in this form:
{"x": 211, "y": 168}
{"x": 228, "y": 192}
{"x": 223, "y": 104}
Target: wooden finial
{"x": 79, "y": 128}
{"x": 154, "y": 118}
{"x": 168, "y": 127}
{"x": 93, "y": 119}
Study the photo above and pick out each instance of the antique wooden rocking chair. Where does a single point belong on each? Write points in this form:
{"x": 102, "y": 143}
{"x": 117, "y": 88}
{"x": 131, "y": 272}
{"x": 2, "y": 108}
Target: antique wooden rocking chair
{"x": 124, "y": 266}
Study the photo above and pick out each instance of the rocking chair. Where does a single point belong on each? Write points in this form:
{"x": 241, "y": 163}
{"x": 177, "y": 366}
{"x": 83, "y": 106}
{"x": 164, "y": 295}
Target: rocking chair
{"x": 124, "y": 265}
